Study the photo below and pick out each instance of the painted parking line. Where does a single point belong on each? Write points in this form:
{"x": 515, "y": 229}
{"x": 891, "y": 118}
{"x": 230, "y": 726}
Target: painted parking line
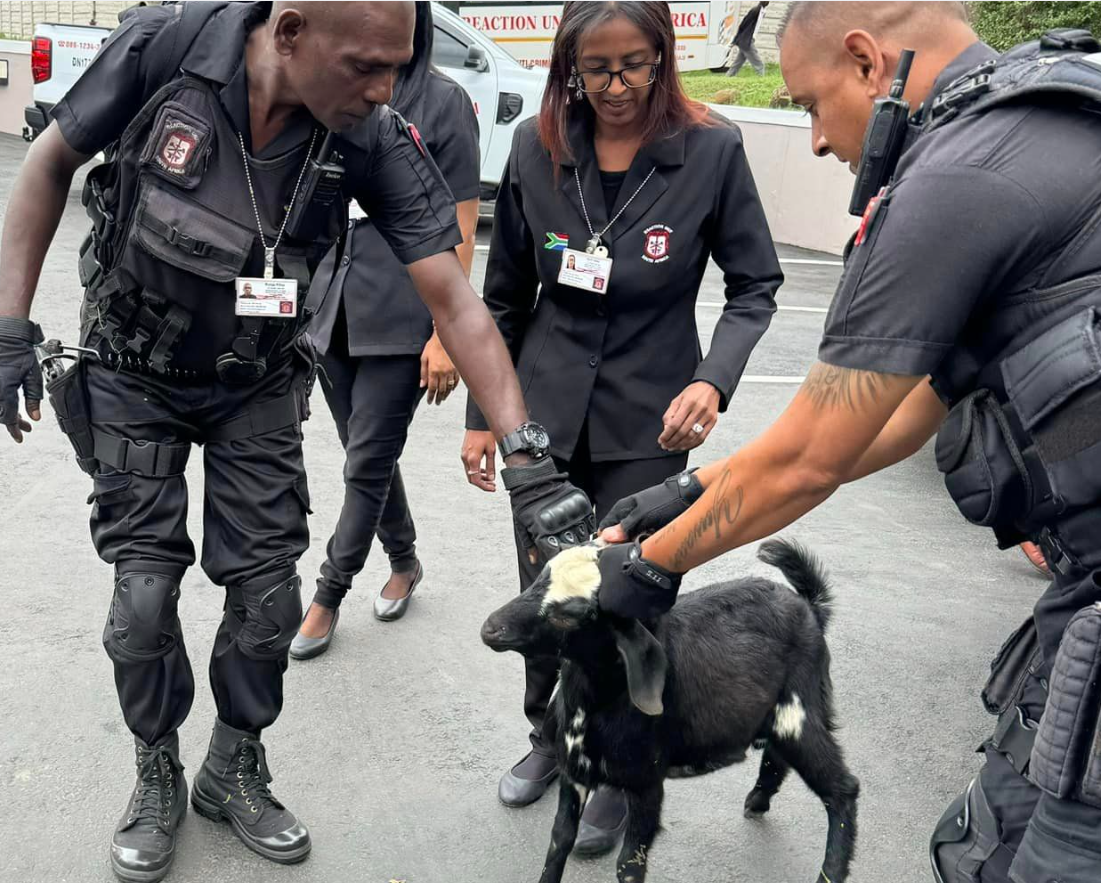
{"x": 783, "y": 307}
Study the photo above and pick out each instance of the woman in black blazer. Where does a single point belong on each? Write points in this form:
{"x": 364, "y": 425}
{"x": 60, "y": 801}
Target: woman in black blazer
{"x": 614, "y": 198}
{"x": 380, "y": 355}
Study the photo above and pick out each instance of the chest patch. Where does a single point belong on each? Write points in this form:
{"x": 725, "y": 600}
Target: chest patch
{"x": 655, "y": 247}
{"x": 178, "y": 147}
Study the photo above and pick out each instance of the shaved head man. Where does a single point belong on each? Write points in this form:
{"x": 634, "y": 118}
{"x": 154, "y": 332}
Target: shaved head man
{"x": 837, "y": 58}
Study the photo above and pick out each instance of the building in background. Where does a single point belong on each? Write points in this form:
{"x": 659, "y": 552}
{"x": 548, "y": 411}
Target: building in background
{"x": 704, "y": 29}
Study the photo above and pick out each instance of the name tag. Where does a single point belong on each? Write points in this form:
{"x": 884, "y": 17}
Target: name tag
{"x": 585, "y": 271}
{"x": 270, "y": 298}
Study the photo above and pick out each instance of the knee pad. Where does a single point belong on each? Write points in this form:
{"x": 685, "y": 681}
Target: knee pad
{"x": 142, "y": 624}
{"x": 965, "y": 838}
{"x": 264, "y": 621}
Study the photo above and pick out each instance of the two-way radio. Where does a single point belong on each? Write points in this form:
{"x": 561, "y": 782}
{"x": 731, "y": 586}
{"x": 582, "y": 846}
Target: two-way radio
{"x": 883, "y": 139}
{"x": 311, "y": 212}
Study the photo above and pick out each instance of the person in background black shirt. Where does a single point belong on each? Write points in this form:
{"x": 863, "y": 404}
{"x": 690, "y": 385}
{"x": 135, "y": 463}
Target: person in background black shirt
{"x": 381, "y": 353}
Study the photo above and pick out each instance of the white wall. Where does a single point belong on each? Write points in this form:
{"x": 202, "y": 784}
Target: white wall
{"x": 805, "y": 198}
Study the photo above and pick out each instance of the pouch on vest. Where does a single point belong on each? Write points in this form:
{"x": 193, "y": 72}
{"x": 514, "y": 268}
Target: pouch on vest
{"x": 983, "y": 469}
{"x": 172, "y": 229}
{"x": 1054, "y": 385}
{"x": 68, "y": 395}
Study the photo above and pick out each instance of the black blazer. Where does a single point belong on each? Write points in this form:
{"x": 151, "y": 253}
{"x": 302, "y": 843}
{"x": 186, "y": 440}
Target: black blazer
{"x": 613, "y": 362}
{"x": 385, "y": 316}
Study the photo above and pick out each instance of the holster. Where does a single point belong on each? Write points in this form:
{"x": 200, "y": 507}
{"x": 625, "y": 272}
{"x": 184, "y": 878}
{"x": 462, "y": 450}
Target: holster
{"x": 1018, "y": 662}
{"x": 68, "y": 395}
{"x": 1066, "y": 759}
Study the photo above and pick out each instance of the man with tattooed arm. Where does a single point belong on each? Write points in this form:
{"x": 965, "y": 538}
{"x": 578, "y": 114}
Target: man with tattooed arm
{"x": 970, "y": 306}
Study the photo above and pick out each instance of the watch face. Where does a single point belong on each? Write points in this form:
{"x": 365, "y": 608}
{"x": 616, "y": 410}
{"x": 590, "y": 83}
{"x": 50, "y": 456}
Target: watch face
{"x": 535, "y": 437}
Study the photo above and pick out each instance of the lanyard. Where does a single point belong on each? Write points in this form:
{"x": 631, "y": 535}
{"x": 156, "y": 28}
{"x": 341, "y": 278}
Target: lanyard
{"x": 269, "y": 253}
{"x": 594, "y": 247}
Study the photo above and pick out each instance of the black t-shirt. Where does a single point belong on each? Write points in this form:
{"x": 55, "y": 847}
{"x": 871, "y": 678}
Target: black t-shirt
{"x": 980, "y": 212}
{"x": 383, "y": 316}
{"x": 610, "y": 183}
{"x": 402, "y": 190}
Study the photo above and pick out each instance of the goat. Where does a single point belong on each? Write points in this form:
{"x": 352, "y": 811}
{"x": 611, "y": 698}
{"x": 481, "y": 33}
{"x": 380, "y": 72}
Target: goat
{"x": 731, "y": 665}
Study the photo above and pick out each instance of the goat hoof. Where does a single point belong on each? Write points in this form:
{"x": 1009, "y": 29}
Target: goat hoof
{"x": 757, "y": 803}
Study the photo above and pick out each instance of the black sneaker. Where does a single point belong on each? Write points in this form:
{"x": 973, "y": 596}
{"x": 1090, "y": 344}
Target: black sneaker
{"x": 144, "y": 843}
{"x": 233, "y": 785}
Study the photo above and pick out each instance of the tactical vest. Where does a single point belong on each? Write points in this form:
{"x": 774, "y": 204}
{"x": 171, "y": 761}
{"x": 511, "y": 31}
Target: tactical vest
{"x": 174, "y": 225}
{"x": 1021, "y": 447}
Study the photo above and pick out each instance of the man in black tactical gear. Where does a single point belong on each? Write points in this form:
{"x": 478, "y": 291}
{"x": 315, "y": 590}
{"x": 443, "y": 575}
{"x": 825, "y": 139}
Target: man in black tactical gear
{"x": 970, "y": 306}
{"x": 236, "y": 133}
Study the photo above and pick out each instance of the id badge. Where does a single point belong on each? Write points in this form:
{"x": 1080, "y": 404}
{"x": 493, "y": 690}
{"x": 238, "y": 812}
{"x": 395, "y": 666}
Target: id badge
{"x": 270, "y": 298}
{"x": 585, "y": 271}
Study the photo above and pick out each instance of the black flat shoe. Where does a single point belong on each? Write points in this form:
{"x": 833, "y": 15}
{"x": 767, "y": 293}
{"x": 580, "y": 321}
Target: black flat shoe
{"x": 307, "y": 648}
{"x": 603, "y": 822}
{"x": 389, "y": 609}
{"x": 518, "y": 790}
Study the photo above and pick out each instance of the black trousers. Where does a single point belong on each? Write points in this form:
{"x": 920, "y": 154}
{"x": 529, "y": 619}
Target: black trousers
{"x": 254, "y": 531}
{"x": 1043, "y": 837}
{"x": 606, "y": 483}
{"x": 372, "y": 399}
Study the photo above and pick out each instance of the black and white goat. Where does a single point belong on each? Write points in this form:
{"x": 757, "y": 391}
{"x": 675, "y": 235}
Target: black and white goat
{"x": 731, "y": 665}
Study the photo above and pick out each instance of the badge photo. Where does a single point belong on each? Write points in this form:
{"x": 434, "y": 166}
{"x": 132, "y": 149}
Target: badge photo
{"x": 655, "y": 248}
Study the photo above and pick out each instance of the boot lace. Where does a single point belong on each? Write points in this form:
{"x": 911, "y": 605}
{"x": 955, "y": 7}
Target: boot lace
{"x": 156, "y": 788}
{"x": 253, "y": 776}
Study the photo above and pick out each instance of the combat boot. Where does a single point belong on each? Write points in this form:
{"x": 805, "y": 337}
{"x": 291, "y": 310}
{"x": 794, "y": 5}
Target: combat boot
{"x": 144, "y": 843}
{"x": 233, "y": 785}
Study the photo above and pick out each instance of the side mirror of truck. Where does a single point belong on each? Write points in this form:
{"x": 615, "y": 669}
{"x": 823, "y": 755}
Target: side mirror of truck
{"x": 476, "y": 59}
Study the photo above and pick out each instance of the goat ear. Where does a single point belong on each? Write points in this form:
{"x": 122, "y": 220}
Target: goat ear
{"x": 645, "y": 661}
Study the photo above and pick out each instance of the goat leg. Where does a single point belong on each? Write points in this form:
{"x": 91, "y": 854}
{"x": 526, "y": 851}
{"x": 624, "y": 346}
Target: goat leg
{"x": 774, "y": 770}
{"x": 571, "y": 800}
{"x": 643, "y": 824}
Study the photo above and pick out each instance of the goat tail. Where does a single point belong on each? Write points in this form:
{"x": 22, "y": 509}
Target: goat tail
{"x": 805, "y": 573}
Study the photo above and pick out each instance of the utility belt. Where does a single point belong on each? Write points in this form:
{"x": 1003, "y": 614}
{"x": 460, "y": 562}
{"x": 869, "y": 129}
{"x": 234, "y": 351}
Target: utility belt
{"x": 1023, "y": 451}
{"x": 67, "y": 390}
{"x": 1014, "y": 673}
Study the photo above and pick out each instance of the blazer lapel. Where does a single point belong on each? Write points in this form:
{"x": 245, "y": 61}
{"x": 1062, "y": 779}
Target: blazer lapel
{"x": 665, "y": 153}
{"x": 584, "y": 165}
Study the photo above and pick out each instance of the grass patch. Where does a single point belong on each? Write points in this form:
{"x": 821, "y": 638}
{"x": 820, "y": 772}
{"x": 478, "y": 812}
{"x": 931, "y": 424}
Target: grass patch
{"x": 746, "y": 89}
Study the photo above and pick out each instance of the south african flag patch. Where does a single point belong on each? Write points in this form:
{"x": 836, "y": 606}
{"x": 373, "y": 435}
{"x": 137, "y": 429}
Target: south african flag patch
{"x": 557, "y": 242}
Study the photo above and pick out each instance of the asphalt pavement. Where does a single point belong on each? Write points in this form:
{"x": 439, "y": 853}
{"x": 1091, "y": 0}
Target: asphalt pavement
{"x": 390, "y": 746}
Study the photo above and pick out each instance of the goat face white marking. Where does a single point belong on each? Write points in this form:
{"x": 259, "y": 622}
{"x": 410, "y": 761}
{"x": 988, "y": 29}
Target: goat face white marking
{"x": 582, "y": 792}
{"x": 789, "y": 718}
{"x": 578, "y": 719}
{"x": 574, "y": 741}
{"x": 584, "y": 762}
{"x": 573, "y": 574}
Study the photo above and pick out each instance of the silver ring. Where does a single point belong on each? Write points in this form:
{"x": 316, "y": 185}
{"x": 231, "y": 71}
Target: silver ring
{"x": 697, "y": 428}
{"x": 474, "y": 472}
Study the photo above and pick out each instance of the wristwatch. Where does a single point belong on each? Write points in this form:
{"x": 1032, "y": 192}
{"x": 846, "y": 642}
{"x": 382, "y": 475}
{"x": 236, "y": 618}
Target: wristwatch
{"x": 531, "y": 438}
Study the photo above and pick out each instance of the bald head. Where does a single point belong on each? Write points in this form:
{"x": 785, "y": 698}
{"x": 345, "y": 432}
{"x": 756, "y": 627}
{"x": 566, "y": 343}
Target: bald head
{"x": 347, "y": 18}
{"x": 838, "y": 58}
{"x": 915, "y": 24}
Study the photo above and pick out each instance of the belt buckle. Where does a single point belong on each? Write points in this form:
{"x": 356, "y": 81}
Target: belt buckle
{"x": 1058, "y": 558}
{"x": 232, "y": 370}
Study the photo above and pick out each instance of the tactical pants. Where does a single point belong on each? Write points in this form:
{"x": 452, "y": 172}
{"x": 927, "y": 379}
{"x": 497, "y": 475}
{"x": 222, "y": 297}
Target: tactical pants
{"x": 254, "y": 530}
{"x": 1005, "y": 828}
{"x": 606, "y": 482}
{"x": 372, "y": 400}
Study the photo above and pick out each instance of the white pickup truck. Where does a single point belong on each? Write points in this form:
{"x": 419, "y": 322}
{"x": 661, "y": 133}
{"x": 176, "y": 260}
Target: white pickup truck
{"x": 503, "y": 92}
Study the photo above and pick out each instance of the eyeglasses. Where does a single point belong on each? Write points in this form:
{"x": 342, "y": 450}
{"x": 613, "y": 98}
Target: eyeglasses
{"x": 635, "y": 76}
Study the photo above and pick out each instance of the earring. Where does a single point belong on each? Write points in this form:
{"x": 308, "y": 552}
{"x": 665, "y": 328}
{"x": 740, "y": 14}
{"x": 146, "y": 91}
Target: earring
{"x": 574, "y": 82}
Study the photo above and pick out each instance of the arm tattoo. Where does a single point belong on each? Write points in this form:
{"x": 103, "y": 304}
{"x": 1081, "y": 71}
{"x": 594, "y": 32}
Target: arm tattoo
{"x": 723, "y": 512}
{"x": 831, "y": 387}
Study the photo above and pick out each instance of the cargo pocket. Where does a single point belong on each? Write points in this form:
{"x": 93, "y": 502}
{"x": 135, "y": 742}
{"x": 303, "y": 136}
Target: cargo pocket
{"x": 302, "y": 494}
{"x": 983, "y": 469}
{"x": 108, "y": 496}
{"x": 1054, "y": 383}
{"x": 173, "y": 228}
{"x": 178, "y": 147}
